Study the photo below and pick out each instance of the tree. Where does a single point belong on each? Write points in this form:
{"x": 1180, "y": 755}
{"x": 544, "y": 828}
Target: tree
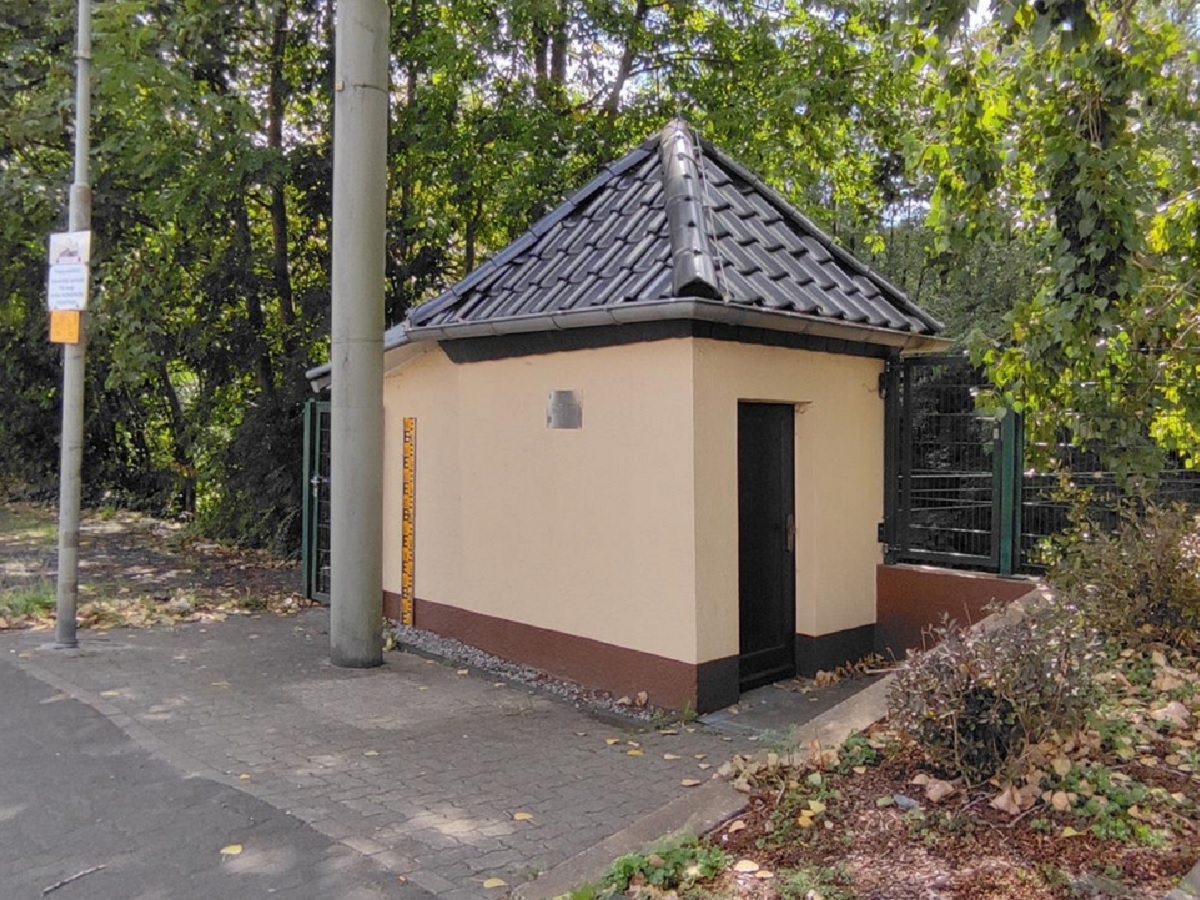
{"x": 1075, "y": 121}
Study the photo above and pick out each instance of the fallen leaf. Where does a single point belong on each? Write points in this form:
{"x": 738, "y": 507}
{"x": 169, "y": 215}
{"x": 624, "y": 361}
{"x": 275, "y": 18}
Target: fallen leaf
{"x": 1060, "y": 802}
{"x": 581, "y": 734}
{"x": 816, "y": 807}
{"x": 231, "y": 850}
{"x": 699, "y": 756}
{"x": 920, "y": 779}
{"x": 1061, "y": 766}
{"x": 1068, "y": 831}
{"x": 522, "y": 817}
{"x": 1008, "y": 800}
{"x": 494, "y": 883}
{"x": 370, "y": 753}
{"x": 937, "y": 790}
{"x": 805, "y": 819}
{"x": 860, "y": 770}
{"x": 110, "y": 693}
{"x": 635, "y": 752}
{"x": 670, "y": 756}
{"x": 746, "y": 866}
{"x": 464, "y": 672}
{"x": 244, "y": 777}
{"x": 764, "y": 874}
{"x": 704, "y": 767}
{"x": 611, "y": 741}
{"x": 735, "y": 827}
{"x": 668, "y": 731}
{"x": 1174, "y": 712}
{"x": 690, "y": 782}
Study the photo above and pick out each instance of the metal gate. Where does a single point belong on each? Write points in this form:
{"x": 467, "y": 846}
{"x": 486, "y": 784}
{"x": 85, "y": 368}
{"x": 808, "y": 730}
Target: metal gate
{"x": 315, "y": 521}
{"x": 952, "y": 484}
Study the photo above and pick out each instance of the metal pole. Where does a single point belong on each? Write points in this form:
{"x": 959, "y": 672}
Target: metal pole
{"x": 71, "y": 450}
{"x": 360, "y": 121}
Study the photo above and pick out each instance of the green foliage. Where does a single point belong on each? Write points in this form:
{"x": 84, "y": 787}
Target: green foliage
{"x": 677, "y": 864}
{"x": 27, "y": 600}
{"x": 856, "y": 750}
{"x": 1108, "y": 804}
{"x": 828, "y": 882}
{"x": 975, "y": 702}
{"x": 1074, "y": 124}
{"x": 1139, "y": 581}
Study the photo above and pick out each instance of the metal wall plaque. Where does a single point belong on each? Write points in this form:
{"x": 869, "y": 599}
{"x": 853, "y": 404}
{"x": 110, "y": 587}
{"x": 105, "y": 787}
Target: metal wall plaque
{"x": 564, "y": 410}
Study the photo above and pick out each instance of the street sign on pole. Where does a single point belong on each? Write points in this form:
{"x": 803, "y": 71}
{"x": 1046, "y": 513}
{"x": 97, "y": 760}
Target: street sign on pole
{"x": 64, "y": 326}
{"x": 70, "y": 258}
{"x": 79, "y": 221}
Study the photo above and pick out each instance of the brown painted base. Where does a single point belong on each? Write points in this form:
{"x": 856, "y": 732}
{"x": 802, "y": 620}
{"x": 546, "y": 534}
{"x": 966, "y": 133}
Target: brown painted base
{"x": 593, "y": 664}
{"x": 909, "y": 599}
{"x": 828, "y": 651}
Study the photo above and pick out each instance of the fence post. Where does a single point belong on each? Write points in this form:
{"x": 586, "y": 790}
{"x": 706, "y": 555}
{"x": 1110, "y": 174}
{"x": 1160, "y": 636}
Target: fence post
{"x": 890, "y": 388}
{"x": 1008, "y": 507}
{"x": 306, "y": 510}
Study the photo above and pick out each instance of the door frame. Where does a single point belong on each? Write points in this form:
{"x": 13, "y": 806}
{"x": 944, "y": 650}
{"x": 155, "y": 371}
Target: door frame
{"x": 783, "y": 556}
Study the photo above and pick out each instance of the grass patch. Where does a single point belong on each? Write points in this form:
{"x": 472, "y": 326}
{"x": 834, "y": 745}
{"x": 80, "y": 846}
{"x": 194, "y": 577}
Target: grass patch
{"x": 21, "y": 522}
{"x": 27, "y": 600}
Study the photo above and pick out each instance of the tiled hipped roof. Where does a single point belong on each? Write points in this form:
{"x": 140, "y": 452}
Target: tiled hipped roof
{"x": 673, "y": 220}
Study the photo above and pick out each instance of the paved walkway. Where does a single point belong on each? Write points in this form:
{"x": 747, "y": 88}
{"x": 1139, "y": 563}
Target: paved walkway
{"x": 83, "y": 806}
{"x": 447, "y": 780}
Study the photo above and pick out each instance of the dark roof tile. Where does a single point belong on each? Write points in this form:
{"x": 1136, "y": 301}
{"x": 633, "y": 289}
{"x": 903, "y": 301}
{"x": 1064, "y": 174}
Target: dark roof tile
{"x": 674, "y": 201}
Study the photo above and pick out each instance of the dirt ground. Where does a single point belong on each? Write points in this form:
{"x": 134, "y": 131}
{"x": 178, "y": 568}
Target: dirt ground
{"x": 128, "y": 558}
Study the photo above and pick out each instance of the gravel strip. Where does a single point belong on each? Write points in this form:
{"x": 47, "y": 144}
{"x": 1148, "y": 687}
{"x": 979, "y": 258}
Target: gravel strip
{"x": 426, "y": 643}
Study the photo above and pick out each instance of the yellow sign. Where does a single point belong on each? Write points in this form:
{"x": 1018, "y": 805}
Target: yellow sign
{"x": 64, "y": 326}
{"x": 408, "y": 522}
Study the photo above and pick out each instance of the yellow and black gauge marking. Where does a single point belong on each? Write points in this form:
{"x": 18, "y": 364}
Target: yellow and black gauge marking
{"x": 408, "y": 522}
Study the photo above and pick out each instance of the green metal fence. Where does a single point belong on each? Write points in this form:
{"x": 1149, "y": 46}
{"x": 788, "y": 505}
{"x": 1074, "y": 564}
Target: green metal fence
{"x": 958, "y": 492}
{"x": 314, "y": 551}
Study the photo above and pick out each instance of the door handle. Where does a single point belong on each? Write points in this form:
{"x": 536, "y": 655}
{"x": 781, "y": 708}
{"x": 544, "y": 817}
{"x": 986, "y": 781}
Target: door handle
{"x": 790, "y": 529}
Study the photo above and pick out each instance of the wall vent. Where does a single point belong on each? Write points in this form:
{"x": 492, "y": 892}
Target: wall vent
{"x": 563, "y": 410}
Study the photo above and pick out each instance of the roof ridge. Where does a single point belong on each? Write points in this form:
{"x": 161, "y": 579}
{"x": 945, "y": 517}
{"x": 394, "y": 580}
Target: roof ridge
{"x": 818, "y": 234}
{"x": 693, "y": 273}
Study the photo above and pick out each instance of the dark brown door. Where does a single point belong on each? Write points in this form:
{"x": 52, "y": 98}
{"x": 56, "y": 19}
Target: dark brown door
{"x": 766, "y": 542}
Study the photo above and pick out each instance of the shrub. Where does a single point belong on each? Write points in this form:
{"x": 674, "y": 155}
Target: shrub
{"x": 1139, "y": 581}
{"x": 975, "y": 702}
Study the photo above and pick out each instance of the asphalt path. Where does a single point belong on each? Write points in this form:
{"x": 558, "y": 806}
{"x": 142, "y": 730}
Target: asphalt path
{"x": 78, "y": 796}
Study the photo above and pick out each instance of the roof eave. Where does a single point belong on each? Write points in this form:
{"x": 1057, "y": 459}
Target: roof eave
{"x": 693, "y": 309}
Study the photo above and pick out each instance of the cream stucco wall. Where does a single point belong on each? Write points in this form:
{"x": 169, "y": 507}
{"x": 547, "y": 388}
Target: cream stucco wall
{"x": 839, "y": 483}
{"x": 589, "y": 531}
{"x": 625, "y": 531}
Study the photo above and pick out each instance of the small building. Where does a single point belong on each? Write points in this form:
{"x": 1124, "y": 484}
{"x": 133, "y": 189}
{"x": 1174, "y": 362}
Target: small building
{"x": 646, "y": 440}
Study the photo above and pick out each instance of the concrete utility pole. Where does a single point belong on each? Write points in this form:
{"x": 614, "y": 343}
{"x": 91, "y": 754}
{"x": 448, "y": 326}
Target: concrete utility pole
{"x": 71, "y": 449}
{"x": 360, "y": 124}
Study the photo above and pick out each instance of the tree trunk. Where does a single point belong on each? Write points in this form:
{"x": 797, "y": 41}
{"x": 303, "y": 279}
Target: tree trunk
{"x": 628, "y": 57}
{"x": 241, "y": 278}
{"x": 279, "y": 209}
{"x": 276, "y": 100}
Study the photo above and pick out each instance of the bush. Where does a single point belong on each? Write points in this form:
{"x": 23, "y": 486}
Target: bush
{"x": 1139, "y": 581}
{"x": 975, "y": 702}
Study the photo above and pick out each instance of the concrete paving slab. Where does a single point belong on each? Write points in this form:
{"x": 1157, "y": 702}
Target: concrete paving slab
{"x": 83, "y": 806}
{"x": 425, "y": 769}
